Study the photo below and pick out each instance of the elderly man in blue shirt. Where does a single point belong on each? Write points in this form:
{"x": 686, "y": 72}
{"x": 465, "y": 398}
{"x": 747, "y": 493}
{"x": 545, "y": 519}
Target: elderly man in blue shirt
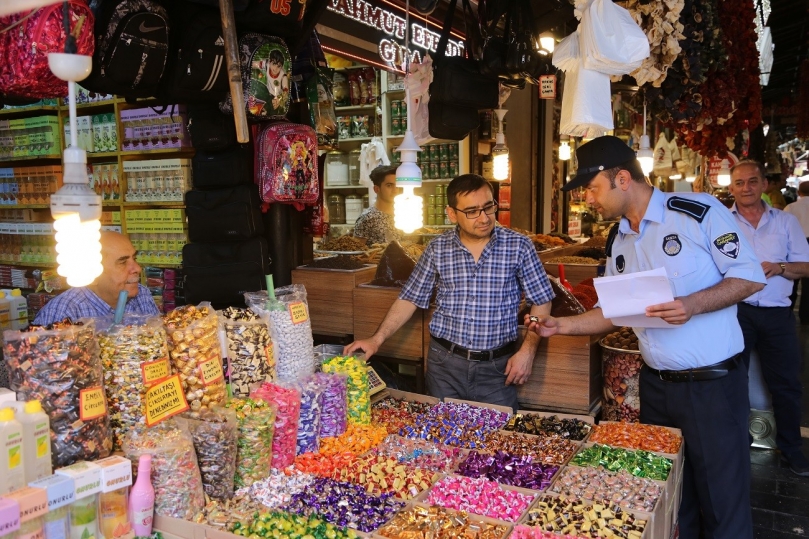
{"x": 121, "y": 272}
{"x": 693, "y": 378}
{"x": 479, "y": 272}
{"x": 766, "y": 317}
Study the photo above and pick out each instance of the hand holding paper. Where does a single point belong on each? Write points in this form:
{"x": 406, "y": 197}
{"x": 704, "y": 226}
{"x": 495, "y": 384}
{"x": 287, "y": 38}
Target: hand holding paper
{"x": 624, "y": 298}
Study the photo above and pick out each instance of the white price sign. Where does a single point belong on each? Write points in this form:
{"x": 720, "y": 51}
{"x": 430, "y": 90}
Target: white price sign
{"x": 547, "y": 87}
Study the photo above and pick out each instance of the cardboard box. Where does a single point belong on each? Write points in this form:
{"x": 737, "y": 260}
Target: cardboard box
{"x": 405, "y": 395}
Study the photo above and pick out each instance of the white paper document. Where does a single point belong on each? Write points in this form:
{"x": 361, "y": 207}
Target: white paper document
{"x": 623, "y": 298}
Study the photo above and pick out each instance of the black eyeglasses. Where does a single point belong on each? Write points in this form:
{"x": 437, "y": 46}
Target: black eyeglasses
{"x": 489, "y": 209}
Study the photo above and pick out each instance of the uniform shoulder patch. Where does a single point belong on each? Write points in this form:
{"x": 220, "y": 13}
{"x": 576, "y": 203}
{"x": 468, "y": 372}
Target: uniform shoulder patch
{"x": 695, "y": 209}
{"x": 611, "y": 239}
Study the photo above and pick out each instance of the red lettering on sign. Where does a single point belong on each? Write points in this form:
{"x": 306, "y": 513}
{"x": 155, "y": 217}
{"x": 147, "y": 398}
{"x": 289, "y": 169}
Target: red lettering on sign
{"x": 280, "y": 7}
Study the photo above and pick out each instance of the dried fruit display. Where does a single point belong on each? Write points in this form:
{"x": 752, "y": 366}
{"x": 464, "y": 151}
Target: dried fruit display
{"x": 621, "y": 371}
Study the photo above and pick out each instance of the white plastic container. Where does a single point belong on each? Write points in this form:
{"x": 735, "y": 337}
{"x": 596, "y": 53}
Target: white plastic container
{"x": 353, "y": 208}
{"x": 36, "y": 442}
{"x": 12, "y": 459}
{"x": 19, "y": 305}
{"x": 5, "y": 308}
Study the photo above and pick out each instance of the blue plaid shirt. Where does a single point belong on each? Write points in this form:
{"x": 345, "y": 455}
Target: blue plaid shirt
{"x": 82, "y": 302}
{"x": 477, "y": 303}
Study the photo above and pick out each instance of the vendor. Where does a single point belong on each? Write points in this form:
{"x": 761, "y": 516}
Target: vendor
{"x": 481, "y": 272}
{"x": 121, "y": 272}
{"x": 376, "y": 223}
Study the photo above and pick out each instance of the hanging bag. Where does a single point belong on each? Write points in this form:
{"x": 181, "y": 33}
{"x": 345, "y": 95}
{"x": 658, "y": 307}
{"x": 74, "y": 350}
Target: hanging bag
{"x": 286, "y": 169}
{"x": 232, "y": 213}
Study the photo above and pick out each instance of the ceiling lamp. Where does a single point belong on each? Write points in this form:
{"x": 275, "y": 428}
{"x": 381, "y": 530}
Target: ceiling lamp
{"x": 677, "y": 176}
{"x": 564, "y": 151}
{"x": 723, "y": 176}
{"x": 500, "y": 150}
{"x": 547, "y": 42}
{"x": 645, "y": 154}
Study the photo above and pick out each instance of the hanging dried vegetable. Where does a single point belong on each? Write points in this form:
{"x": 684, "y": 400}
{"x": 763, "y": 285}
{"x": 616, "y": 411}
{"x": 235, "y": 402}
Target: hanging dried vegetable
{"x": 660, "y": 21}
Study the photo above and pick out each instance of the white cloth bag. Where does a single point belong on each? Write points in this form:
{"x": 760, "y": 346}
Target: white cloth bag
{"x": 610, "y": 40}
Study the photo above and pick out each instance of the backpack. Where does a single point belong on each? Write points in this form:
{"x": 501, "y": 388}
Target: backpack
{"x": 281, "y": 17}
{"x": 132, "y": 44}
{"x": 196, "y": 70}
{"x": 232, "y": 213}
{"x": 286, "y": 169}
{"x": 227, "y": 168}
{"x": 29, "y": 37}
{"x": 210, "y": 129}
{"x": 266, "y": 68}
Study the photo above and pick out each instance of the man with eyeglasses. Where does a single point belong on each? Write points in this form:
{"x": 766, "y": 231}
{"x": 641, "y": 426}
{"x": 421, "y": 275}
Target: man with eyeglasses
{"x": 480, "y": 273}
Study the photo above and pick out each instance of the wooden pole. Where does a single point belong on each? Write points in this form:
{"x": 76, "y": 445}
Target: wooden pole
{"x": 234, "y": 70}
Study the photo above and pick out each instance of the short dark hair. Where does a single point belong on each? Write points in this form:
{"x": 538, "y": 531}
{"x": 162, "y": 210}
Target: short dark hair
{"x": 276, "y": 57}
{"x": 803, "y": 188}
{"x": 381, "y": 172}
{"x": 632, "y": 166}
{"x": 750, "y": 163}
{"x": 465, "y": 183}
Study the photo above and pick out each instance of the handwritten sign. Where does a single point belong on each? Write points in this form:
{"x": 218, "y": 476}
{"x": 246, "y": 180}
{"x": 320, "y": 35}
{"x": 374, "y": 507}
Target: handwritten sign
{"x": 547, "y": 87}
{"x": 298, "y": 312}
{"x": 92, "y": 403}
{"x": 164, "y": 400}
{"x": 155, "y": 371}
{"x": 210, "y": 371}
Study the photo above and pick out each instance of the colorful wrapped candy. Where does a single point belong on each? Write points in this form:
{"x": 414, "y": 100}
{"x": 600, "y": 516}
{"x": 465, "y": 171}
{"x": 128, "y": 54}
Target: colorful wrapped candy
{"x": 254, "y": 456}
{"x": 507, "y": 469}
{"x": 358, "y": 396}
{"x": 287, "y": 403}
{"x": 333, "y": 413}
{"x": 479, "y": 496}
{"x": 311, "y": 392}
{"x": 639, "y": 463}
{"x": 583, "y": 519}
{"x": 281, "y": 524}
{"x": 442, "y": 523}
{"x": 216, "y": 435}
{"x": 456, "y": 424}
{"x": 637, "y": 436}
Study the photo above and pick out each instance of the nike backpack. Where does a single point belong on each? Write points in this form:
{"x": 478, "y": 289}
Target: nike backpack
{"x": 286, "y": 168}
{"x": 132, "y": 45}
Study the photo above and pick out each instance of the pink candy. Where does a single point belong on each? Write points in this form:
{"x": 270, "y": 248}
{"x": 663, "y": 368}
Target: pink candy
{"x": 532, "y": 532}
{"x": 479, "y": 496}
{"x": 284, "y": 441}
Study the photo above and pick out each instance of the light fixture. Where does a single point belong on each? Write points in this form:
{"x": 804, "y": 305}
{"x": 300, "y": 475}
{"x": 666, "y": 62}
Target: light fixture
{"x": 547, "y": 42}
{"x": 677, "y": 176}
{"x": 75, "y": 207}
{"x": 723, "y": 176}
{"x": 564, "y": 151}
{"x": 645, "y": 154}
{"x": 500, "y": 150}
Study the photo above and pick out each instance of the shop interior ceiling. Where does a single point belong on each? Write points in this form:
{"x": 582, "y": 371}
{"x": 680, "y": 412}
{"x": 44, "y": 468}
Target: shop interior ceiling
{"x": 789, "y": 23}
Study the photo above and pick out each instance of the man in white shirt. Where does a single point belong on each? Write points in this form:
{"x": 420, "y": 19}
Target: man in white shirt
{"x": 800, "y": 209}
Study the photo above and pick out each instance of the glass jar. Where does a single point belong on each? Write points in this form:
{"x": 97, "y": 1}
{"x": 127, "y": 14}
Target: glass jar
{"x": 354, "y": 166}
{"x": 337, "y": 209}
{"x": 336, "y": 168}
{"x": 366, "y": 201}
{"x": 353, "y": 208}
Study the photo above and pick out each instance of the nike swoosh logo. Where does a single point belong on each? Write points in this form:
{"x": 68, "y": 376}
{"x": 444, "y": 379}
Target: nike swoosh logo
{"x": 146, "y": 29}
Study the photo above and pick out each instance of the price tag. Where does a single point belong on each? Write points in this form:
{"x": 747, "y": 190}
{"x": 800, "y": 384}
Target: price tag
{"x": 270, "y": 351}
{"x": 210, "y": 371}
{"x": 164, "y": 400}
{"x": 155, "y": 371}
{"x": 92, "y": 403}
{"x": 298, "y": 312}
{"x": 547, "y": 87}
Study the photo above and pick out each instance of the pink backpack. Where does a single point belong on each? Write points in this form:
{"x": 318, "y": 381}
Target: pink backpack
{"x": 286, "y": 168}
{"x": 26, "y": 42}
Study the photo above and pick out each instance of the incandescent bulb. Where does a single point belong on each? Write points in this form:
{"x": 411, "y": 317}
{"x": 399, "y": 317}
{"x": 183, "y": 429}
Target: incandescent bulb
{"x": 408, "y": 211}
{"x": 564, "y": 151}
{"x": 645, "y": 155}
{"x": 547, "y": 42}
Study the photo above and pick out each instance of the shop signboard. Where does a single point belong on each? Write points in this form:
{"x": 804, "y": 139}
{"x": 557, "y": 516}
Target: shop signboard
{"x": 715, "y": 165}
{"x": 547, "y": 87}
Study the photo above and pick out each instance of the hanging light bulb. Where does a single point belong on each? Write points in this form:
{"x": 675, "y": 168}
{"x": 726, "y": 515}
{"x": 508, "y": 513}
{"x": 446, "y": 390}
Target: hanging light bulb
{"x": 690, "y": 178}
{"x": 564, "y": 151}
{"x": 723, "y": 176}
{"x": 75, "y": 207}
{"x": 500, "y": 150}
{"x": 546, "y": 42}
{"x": 408, "y": 212}
{"x": 645, "y": 154}
{"x": 677, "y": 176}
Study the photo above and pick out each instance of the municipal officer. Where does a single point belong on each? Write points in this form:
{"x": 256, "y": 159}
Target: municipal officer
{"x": 691, "y": 379}
{"x": 766, "y": 317}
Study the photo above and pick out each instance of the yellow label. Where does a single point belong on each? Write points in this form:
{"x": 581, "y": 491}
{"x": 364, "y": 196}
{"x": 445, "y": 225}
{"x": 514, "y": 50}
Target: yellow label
{"x": 92, "y": 403}
{"x": 270, "y": 352}
{"x": 155, "y": 371}
{"x": 14, "y": 457}
{"x": 298, "y": 312}
{"x": 42, "y": 446}
{"x": 164, "y": 400}
{"x": 211, "y": 371}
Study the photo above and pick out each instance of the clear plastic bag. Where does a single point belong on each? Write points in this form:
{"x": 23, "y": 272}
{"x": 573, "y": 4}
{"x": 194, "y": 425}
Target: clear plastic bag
{"x": 248, "y": 347}
{"x": 311, "y": 392}
{"x": 215, "y": 434}
{"x": 566, "y": 54}
{"x": 586, "y": 103}
{"x": 610, "y": 40}
{"x": 256, "y": 420}
{"x": 287, "y": 402}
{"x": 358, "y": 393}
{"x": 61, "y": 369}
{"x": 333, "y": 416}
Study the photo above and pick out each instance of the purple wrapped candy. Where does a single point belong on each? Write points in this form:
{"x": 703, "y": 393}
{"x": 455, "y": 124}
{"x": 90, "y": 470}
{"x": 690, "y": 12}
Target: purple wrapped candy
{"x": 333, "y": 412}
{"x": 508, "y": 469}
{"x": 456, "y": 424}
{"x": 311, "y": 392}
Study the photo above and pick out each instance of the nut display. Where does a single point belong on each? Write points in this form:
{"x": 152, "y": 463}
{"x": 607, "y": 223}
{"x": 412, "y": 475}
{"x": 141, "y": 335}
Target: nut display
{"x": 250, "y": 350}
{"x": 577, "y": 517}
{"x": 621, "y": 364}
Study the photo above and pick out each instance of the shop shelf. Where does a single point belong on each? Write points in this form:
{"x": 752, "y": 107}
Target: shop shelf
{"x": 32, "y": 159}
{"x": 330, "y": 187}
{"x": 102, "y": 155}
{"x": 96, "y": 106}
{"x": 166, "y": 204}
{"x": 24, "y": 206}
{"x": 130, "y": 155}
{"x": 26, "y": 111}
{"x": 356, "y": 139}
{"x": 356, "y": 107}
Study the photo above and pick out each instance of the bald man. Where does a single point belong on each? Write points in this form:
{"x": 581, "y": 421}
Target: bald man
{"x": 121, "y": 272}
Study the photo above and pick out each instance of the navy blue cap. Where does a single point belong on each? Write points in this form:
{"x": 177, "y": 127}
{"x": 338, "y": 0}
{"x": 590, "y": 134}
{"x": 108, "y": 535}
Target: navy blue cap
{"x": 599, "y": 154}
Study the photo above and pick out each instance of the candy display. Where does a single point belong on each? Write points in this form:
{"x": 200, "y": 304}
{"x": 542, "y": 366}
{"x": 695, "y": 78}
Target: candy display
{"x": 532, "y": 532}
{"x": 637, "y": 436}
{"x": 440, "y": 523}
{"x": 385, "y": 475}
{"x": 195, "y": 354}
{"x": 281, "y": 524}
{"x": 134, "y": 356}
{"x": 456, "y": 424}
{"x": 479, "y": 496}
{"x": 287, "y": 402}
{"x": 583, "y": 519}
{"x": 175, "y": 474}
{"x": 256, "y": 420}
{"x": 395, "y": 414}
{"x": 226, "y": 514}
{"x": 572, "y": 429}
{"x": 333, "y": 410}
{"x": 550, "y": 449}
{"x": 356, "y": 439}
{"x": 250, "y": 350}
{"x": 638, "y": 462}
{"x": 322, "y": 464}
{"x": 215, "y": 434}
{"x": 60, "y": 368}
{"x": 506, "y": 469}
{"x": 621, "y": 363}
{"x": 277, "y": 489}
{"x": 623, "y": 488}
{"x": 424, "y": 455}
{"x": 358, "y": 398}
{"x": 344, "y": 504}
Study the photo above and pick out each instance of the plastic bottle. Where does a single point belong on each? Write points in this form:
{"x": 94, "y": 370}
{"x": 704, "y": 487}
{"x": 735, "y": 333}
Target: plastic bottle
{"x": 5, "y": 308}
{"x": 12, "y": 461}
{"x": 141, "y": 499}
{"x": 36, "y": 441}
{"x": 18, "y": 304}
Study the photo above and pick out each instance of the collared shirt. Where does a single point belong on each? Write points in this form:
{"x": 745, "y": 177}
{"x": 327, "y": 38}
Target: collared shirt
{"x": 696, "y": 255}
{"x": 477, "y": 302}
{"x": 777, "y": 238}
{"x": 81, "y": 302}
{"x": 800, "y": 209}
{"x": 376, "y": 226}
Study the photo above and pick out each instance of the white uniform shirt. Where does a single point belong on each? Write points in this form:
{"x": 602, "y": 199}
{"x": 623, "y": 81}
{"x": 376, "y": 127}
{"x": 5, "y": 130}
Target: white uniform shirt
{"x": 800, "y": 209}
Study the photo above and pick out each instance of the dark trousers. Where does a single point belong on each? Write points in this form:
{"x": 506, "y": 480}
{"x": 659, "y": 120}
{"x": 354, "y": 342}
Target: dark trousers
{"x": 716, "y": 473}
{"x": 771, "y": 330}
{"x": 451, "y": 375}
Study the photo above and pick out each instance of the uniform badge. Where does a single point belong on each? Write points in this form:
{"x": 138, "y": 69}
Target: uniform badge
{"x": 728, "y": 244}
{"x": 620, "y": 263}
{"x": 672, "y": 244}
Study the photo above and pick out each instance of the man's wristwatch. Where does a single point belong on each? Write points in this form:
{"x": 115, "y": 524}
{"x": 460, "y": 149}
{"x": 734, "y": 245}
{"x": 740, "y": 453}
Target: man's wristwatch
{"x": 783, "y": 267}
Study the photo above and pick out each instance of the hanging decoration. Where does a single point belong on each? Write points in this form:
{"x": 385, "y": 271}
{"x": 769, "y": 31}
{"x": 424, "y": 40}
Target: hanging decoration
{"x": 660, "y": 21}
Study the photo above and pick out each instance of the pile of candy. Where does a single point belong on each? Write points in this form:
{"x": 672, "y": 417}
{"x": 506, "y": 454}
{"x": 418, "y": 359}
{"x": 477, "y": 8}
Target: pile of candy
{"x": 356, "y": 439}
{"x": 287, "y": 403}
{"x": 254, "y": 457}
{"x": 479, "y": 496}
{"x": 427, "y": 456}
{"x": 507, "y": 469}
{"x": 215, "y": 435}
{"x": 456, "y": 424}
{"x": 572, "y": 429}
{"x": 637, "y": 436}
{"x": 251, "y": 354}
{"x": 623, "y": 488}
{"x": 380, "y": 475}
{"x": 551, "y": 449}
{"x": 311, "y": 392}
{"x": 528, "y": 532}
{"x": 358, "y": 396}
{"x": 333, "y": 413}
{"x": 396, "y": 414}
{"x": 639, "y": 463}
{"x": 322, "y": 464}
{"x": 278, "y": 488}
{"x": 578, "y": 517}
{"x": 280, "y": 524}
{"x": 440, "y": 523}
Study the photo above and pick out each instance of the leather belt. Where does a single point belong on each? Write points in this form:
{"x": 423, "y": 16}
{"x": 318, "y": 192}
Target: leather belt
{"x": 476, "y": 355}
{"x": 710, "y": 372}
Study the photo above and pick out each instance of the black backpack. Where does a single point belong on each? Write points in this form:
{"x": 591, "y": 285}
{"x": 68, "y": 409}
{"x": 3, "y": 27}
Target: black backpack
{"x": 210, "y": 128}
{"x": 228, "y": 168}
{"x": 132, "y": 45}
{"x": 232, "y": 213}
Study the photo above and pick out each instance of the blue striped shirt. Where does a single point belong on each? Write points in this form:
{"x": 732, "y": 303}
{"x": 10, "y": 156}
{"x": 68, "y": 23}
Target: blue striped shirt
{"x": 477, "y": 303}
{"x": 82, "y": 302}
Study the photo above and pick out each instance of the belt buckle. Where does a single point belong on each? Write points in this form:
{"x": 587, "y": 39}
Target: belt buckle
{"x": 469, "y": 355}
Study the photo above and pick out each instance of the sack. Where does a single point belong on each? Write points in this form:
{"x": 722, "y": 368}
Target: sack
{"x": 210, "y": 129}
{"x": 586, "y": 103}
{"x": 223, "y": 272}
{"x": 611, "y": 41}
{"x": 196, "y": 69}
{"x": 132, "y": 45}
{"x": 24, "y": 72}
{"x": 224, "y": 214}
{"x": 283, "y": 18}
{"x": 223, "y": 169}
{"x": 266, "y": 66}
{"x": 286, "y": 157}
